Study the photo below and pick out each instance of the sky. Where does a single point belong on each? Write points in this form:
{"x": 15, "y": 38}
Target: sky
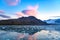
{"x": 42, "y": 9}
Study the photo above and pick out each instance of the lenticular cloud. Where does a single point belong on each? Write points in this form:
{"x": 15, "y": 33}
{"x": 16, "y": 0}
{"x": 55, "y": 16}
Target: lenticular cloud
{"x": 33, "y": 7}
{"x": 20, "y": 14}
{"x": 30, "y": 11}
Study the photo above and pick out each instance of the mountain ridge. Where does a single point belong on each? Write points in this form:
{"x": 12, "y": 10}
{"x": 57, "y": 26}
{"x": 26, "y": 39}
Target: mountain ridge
{"x": 23, "y": 21}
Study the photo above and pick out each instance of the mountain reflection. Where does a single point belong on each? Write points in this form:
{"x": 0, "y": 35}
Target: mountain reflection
{"x": 51, "y": 32}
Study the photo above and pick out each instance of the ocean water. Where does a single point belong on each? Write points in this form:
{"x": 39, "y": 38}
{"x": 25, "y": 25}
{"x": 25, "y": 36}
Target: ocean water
{"x": 25, "y": 32}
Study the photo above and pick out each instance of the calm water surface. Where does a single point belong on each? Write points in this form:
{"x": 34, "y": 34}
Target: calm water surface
{"x": 21, "y": 32}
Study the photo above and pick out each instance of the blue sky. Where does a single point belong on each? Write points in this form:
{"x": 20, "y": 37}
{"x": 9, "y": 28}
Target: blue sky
{"x": 46, "y": 8}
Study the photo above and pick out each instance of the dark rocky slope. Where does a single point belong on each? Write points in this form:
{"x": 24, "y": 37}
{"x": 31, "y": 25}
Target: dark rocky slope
{"x": 23, "y": 21}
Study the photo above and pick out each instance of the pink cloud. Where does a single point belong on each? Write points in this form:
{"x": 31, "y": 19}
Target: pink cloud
{"x": 33, "y": 7}
{"x": 32, "y": 11}
{"x": 12, "y": 2}
{"x": 1, "y": 11}
{"x": 20, "y": 14}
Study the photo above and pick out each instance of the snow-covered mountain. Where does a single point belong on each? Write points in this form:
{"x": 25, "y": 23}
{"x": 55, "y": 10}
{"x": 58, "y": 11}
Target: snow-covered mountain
{"x": 53, "y": 21}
